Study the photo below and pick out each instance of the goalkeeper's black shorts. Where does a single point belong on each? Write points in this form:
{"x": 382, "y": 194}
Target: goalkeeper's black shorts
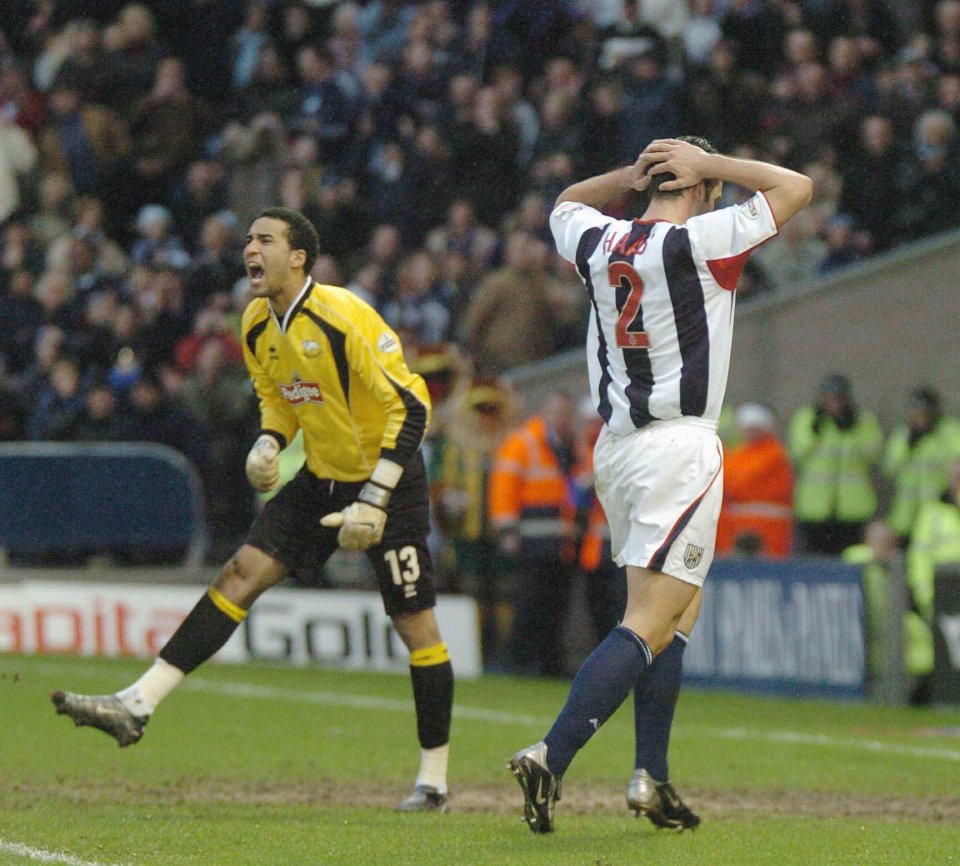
{"x": 288, "y": 529}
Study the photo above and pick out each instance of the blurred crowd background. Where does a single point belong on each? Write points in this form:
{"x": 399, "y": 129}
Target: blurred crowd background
{"x": 427, "y": 142}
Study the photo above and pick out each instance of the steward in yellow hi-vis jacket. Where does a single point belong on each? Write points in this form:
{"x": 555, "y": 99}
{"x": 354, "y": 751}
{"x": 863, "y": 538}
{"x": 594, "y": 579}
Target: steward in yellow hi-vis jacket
{"x": 324, "y": 362}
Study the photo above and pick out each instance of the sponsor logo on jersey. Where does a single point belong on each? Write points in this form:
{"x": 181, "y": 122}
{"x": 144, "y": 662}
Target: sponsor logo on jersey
{"x": 272, "y": 353}
{"x": 692, "y": 556}
{"x": 311, "y": 348}
{"x": 298, "y": 391}
{"x": 566, "y": 210}
{"x": 750, "y": 208}
{"x": 387, "y": 343}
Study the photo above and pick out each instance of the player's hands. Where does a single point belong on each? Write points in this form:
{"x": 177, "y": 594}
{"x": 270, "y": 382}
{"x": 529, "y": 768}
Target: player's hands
{"x": 263, "y": 464}
{"x": 361, "y": 525}
{"x": 687, "y": 162}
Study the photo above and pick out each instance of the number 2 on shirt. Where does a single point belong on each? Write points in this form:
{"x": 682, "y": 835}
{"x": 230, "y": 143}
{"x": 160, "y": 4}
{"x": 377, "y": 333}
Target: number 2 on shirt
{"x": 626, "y": 337}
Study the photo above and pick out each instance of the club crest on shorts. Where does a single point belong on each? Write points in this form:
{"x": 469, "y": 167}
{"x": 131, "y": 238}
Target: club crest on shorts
{"x": 692, "y": 556}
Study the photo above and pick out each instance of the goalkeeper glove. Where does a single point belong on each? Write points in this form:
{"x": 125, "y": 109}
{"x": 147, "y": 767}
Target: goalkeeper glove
{"x": 361, "y": 524}
{"x": 263, "y": 463}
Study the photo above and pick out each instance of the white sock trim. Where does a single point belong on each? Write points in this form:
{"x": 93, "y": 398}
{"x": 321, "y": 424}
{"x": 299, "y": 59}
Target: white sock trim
{"x": 433, "y": 767}
{"x": 143, "y": 696}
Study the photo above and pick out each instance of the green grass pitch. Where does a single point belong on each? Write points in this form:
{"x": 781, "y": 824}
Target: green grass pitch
{"x": 266, "y": 765}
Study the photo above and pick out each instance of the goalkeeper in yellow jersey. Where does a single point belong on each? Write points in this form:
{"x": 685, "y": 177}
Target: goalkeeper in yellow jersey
{"x": 324, "y": 362}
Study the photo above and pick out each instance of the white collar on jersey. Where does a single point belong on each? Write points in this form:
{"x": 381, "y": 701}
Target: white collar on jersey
{"x": 286, "y": 316}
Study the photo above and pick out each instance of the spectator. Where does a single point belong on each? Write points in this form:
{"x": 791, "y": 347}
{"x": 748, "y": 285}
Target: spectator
{"x": 210, "y": 326}
{"x": 510, "y": 320}
{"x": 167, "y": 126}
{"x": 247, "y": 42}
{"x": 415, "y": 306}
{"x": 201, "y": 193}
{"x": 253, "y": 155}
{"x": 12, "y": 412}
{"x": 217, "y": 264}
{"x": 872, "y": 181}
{"x": 845, "y": 245}
{"x": 486, "y": 151}
{"x": 90, "y": 223}
{"x": 531, "y": 507}
{"x": 651, "y": 102}
{"x": 53, "y": 217}
{"x": 88, "y": 143}
{"x": 81, "y": 57}
{"x": 932, "y": 183}
{"x": 462, "y": 233}
{"x": 881, "y": 561}
{"x": 757, "y": 487}
{"x": 19, "y": 101}
{"x": 935, "y": 540}
{"x": 834, "y": 446}
{"x": 21, "y": 315}
{"x": 98, "y": 421}
{"x": 17, "y": 157}
{"x": 59, "y": 401}
{"x": 480, "y": 417}
{"x": 153, "y": 416}
{"x": 157, "y": 245}
{"x": 135, "y": 52}
{"x": 327, "y": 112}
{"x": 918, "y": 456}
{"x": 791, "y": 258}
{"x": 217, "y": 392}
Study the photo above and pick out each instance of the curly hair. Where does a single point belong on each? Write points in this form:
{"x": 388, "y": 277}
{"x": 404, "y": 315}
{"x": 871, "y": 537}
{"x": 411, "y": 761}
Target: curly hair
{"x": 301, "y": 234}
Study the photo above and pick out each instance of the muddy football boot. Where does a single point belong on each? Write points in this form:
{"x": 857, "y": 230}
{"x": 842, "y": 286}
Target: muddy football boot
{"x": 541, "y": 789}
{"x": 425, "y": 798}
{"x": 659, "y": 802}
{"x": 105, "y": 712}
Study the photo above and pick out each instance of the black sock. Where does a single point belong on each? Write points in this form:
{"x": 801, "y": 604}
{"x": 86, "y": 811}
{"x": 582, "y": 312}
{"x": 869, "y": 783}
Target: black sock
{"x": 654, "y": 701}
{"x": 205, "y": 630}
{"x": 432, "y": 676}
{"x": 600, "y": 686}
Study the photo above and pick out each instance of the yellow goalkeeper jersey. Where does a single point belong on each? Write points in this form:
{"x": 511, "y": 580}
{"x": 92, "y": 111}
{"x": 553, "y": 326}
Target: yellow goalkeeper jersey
{"x": 333, "y": 368}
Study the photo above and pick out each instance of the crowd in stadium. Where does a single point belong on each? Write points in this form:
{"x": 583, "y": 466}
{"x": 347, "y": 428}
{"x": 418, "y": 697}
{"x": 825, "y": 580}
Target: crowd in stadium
{"x": 427, "y": 142}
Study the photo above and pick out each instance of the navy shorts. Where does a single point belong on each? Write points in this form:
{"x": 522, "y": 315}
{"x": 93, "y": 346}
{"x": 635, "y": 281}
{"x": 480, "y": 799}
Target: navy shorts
{"x": 288, "y": 529}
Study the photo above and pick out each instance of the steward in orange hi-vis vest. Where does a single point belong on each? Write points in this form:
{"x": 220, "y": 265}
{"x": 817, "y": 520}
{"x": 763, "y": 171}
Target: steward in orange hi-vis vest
{"x": 530, "y": 494}
{"x": 757, "y": 488}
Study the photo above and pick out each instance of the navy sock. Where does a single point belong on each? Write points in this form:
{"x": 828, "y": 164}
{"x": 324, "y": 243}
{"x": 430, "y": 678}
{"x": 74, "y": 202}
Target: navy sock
{"x": 654, "y": 701}
{"x": 600, "y": 686}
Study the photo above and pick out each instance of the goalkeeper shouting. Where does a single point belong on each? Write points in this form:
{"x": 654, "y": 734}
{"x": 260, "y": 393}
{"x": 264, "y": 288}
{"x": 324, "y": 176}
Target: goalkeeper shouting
{"x": 322, "y": 361}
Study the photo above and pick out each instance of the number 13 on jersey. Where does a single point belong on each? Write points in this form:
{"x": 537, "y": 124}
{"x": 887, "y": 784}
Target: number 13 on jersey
{"x": 623, "y": 275}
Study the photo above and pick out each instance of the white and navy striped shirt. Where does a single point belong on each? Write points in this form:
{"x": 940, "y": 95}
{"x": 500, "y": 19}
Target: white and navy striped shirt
{"x": 659, "y": 338}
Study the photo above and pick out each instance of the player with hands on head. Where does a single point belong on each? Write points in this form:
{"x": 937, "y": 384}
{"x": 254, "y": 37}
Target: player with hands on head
{"x": 323, "y": 362}
{"x": 662, "y": 292}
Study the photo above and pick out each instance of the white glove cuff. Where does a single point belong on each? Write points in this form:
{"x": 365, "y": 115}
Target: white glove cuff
{"x": 378, "y": 489}
{"x": 386, "y": 473}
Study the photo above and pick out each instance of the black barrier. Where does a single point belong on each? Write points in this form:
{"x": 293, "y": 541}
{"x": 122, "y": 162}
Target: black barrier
{"x": 67, "y": 496}
{"x": 791, "y": 627}
{"x": 945, "y": 682}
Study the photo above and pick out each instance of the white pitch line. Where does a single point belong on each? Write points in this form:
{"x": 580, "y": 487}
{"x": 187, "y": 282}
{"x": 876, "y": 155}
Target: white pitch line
{"x": 504, "y": 718}
{"x": 43, "y": 856}
{"x": 341, "y": 699}
{"x": 372, "y": 702}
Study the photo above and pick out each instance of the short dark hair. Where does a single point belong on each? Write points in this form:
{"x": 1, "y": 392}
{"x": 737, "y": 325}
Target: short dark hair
{"x": 657, "y": 179}
{"x": 301, "y": 234}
